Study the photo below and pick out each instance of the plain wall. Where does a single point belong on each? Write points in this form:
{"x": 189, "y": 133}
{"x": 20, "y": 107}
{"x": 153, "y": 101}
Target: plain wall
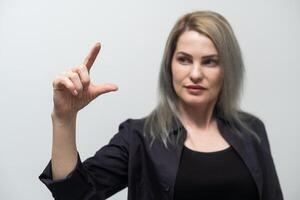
{"x": 39, "y": 39}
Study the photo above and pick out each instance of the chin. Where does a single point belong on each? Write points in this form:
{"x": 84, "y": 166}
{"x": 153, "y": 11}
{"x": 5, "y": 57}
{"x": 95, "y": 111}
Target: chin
{"x": 194, "y": 102}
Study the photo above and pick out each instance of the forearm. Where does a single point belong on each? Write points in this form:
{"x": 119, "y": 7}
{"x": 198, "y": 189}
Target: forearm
{"x": 64, "y": 151}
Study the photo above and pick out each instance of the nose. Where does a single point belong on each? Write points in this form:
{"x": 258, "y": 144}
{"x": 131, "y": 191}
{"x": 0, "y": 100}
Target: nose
{"x": 196, "y": 74}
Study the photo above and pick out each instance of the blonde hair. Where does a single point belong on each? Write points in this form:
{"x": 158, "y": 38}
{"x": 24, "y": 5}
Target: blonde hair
{"x": 211, "y": 24}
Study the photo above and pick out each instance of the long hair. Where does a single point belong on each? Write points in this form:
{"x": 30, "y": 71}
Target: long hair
{"x": 214, "y": 26}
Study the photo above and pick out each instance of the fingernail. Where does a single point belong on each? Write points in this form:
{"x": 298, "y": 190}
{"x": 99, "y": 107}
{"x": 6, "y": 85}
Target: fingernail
{"x": 75, "y": 92}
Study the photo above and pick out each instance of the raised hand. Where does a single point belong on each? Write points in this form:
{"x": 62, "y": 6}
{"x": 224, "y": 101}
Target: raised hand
{"x": 73, "y": 90}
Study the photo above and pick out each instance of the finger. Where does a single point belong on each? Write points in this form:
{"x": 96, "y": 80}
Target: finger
{"x": 74, "y": 77}
{"x": 104, "y": 88}
{"x": 89, "y": 60}
{"x": 83, "y": 75}
{"x": 61, "y": 82}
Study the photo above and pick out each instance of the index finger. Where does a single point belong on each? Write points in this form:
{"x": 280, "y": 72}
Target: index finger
{"x": 89, "y": 60}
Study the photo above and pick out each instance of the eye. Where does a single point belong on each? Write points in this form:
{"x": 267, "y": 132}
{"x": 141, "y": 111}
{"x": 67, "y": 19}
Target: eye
{"x": 184, "y": 60}
{"x": 210, "y": 62}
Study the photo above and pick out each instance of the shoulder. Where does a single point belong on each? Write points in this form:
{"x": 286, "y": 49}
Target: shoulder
{"x": 131, "y": 127}
{"x": 127, "y": 132}
{"x": 255, "y": 124}
{"x": 132, "y": 124}
{"x": 250, "y": 119}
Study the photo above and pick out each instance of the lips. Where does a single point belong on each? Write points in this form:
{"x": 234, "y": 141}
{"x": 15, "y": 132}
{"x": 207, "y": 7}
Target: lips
{"x": 195, "y": 87}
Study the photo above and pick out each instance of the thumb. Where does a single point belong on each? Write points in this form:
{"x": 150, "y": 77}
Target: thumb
{"x": 104, "y": 88}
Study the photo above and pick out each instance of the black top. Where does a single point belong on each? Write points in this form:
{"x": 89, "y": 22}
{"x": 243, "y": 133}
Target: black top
{"x": 213, "y": 176}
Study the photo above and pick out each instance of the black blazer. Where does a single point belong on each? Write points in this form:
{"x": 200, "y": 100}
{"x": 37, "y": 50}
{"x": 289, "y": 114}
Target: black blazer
{"x": 149, "y": 173}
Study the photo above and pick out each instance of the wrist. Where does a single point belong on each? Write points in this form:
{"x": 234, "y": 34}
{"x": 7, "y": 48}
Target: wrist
{"x": 70, "y": 119}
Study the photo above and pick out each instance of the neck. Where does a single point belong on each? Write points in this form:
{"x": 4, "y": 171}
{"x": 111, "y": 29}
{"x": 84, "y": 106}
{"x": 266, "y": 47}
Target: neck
{"x": 196, "y": 117}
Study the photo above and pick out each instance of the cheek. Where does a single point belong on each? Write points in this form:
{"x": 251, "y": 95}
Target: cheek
{"x": 179, "y": 73}
{"x": 175, "y": 74}
{"x": 218, "y": 81}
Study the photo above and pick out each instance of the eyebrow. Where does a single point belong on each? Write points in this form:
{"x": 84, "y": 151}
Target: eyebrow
{"x": 207, "y": 56}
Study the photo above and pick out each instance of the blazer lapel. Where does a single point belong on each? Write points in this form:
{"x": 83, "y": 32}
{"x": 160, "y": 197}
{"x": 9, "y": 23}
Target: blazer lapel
{"x": 244, "y": 147}
{"x": 171, "y": 157}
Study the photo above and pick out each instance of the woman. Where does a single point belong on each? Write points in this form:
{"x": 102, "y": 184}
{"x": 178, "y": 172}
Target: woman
{"x": 196, "y": 144}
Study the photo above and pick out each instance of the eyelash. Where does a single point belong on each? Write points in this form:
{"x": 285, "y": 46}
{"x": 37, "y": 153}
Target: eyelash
{"x": 212, "y": 60}
{"x": 183, "y": 59}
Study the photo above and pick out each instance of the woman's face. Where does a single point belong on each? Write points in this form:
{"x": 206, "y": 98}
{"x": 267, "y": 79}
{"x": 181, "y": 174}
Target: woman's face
{"x": 197, "y": 76}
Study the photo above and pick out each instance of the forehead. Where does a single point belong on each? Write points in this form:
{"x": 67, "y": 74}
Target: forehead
{"x": 194, "y": 43}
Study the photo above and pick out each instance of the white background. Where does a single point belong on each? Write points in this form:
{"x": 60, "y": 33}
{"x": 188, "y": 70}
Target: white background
{"x": 39, "y": 39}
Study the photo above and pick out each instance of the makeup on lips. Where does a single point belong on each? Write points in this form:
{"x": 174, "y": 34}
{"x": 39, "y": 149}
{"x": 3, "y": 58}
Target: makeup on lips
{"x": 195, "y": 89}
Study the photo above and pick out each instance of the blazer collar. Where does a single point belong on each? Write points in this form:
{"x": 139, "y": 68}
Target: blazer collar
{"x": 242, "y": 144}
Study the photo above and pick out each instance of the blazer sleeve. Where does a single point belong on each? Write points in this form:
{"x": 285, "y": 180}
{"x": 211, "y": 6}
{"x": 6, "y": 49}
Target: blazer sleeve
{"x": 271, "y": 186}
{"x": 98, "y": 177}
